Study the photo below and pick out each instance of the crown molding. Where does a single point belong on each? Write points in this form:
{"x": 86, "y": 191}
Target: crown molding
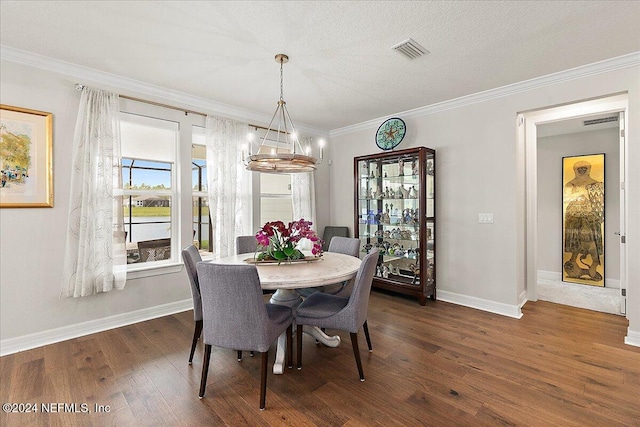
{"x": 613, "y": 64}
{"x": 85, "y": 74}
{"x": 183, "y": 100}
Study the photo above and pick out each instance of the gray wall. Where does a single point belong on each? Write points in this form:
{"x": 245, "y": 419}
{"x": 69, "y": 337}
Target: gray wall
{"x": 550, "y": 152}
{"x": 480, "y": 168}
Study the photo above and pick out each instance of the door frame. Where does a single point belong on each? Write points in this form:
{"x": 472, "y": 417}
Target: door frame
{"x": 527, "y": 123}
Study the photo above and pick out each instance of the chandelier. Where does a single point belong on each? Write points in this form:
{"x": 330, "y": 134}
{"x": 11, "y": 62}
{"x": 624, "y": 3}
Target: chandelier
{"x": 288, "y": 155}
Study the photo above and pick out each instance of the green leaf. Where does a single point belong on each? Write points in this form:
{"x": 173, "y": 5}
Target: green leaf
{"x": 288, "y": 251}
{"x": 279, "y": 255}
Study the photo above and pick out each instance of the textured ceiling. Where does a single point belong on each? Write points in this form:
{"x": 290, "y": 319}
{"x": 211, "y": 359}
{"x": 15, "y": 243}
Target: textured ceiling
{"x": 342, "y": 70}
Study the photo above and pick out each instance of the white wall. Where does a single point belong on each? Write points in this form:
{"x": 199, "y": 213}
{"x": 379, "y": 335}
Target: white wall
{"x": 480, "y": 168}
{"x": 475, "y": 172}
{"x": 32, "y": 241}
{"x": 550, "y": 152}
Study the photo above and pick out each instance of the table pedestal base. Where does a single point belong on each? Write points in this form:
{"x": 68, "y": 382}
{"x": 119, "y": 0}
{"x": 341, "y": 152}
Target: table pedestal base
{"x": 290, "y": 298}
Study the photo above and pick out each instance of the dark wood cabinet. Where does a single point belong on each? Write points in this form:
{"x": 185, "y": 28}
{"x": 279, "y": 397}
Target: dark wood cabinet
{"x": 395, "y": 211}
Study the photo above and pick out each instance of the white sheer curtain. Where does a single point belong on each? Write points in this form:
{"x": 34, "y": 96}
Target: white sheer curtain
{"x": 229, "y": 183}
{"x": 95, "y": 254}
{"x": 303, "y": 196}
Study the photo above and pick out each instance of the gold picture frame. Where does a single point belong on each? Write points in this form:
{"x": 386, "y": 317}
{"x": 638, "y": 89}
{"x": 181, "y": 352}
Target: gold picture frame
{"x": 26, "y": 158}
{"x": 583, "y": 214}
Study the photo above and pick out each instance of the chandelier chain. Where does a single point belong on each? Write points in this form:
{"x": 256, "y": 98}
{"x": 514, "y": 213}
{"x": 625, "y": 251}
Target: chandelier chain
{"x": 281, "y": 84}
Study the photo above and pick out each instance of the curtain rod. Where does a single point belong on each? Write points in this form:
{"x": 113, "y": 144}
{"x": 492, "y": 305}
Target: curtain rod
{"x": 159, "y": 104}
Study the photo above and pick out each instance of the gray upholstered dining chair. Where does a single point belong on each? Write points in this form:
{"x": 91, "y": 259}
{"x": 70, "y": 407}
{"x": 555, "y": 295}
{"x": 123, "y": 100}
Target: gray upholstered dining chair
{"x": 347, "y": 246}
{"x": 236, "y": 316}
{"x": 191, "y": 258}
{"x": 331, "y": 231}
{"x": 246, "y": 244}
{"x": 335, "y": 312}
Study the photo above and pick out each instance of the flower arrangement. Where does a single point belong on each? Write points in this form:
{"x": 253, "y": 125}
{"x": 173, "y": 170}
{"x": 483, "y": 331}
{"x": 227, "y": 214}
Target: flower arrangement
{"x": 281, "y": 241}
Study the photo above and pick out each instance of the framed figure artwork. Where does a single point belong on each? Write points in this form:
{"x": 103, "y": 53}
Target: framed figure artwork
{"x": 583, "y": 213}
{"x": 26, "y": 158}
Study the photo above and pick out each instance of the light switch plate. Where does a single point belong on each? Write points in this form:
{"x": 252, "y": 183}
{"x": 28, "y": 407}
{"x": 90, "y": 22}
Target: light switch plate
{"x": 485, "y": 218}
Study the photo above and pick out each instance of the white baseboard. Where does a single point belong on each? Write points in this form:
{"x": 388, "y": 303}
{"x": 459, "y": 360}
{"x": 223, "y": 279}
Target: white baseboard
{"x": 522, "y": 298}
{"x": 38, "y": 339}
{"x": 556, "y": 276}
{"x": 632, "y": 338}
{"x": 481, "y": 304}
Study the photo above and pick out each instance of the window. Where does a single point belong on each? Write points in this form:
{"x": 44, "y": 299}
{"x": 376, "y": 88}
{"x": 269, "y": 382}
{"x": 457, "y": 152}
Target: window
{"x": 274, "y": 202}
{"x": 202, "y": 237}
{"x": 275, "y": 198}
{"x": 165, "y": 203}
{"x": 149, "y": 183}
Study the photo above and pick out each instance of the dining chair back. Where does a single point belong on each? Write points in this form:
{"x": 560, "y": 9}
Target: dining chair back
{"x": 335, "y": 312}
{"x": 330, "y": 231}
{"x": 345, "y": 245}
{"x": 191, "y": 257}
{"x": 246, "y": 244}
{"x": 235, "y": 315}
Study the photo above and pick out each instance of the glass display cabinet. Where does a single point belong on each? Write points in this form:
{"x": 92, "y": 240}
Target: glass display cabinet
{"x": 395, "y": 212}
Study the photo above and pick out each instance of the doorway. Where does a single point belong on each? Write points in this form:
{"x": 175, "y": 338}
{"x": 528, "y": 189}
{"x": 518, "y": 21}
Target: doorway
{"x": 547, "y": 135}
{"x": 566, "y": 138}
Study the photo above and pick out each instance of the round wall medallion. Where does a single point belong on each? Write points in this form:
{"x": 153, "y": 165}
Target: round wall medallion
{"x": 390, "y": 133}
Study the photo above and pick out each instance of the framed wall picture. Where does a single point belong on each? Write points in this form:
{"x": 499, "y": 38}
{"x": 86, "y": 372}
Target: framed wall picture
{"x": 26, "y": 158}
{"x": 583, "y": 215}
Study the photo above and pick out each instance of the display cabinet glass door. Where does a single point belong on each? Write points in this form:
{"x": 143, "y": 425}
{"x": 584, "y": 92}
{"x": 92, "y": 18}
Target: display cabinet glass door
{"x": 395, "y": 204}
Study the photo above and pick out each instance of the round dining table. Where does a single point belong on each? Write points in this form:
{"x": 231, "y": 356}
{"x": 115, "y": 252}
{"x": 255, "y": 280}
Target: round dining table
{"x": 285, "y": 278}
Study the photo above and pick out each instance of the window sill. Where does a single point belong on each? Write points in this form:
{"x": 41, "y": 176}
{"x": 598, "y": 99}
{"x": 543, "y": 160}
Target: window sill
{"x": 153, "y": 270}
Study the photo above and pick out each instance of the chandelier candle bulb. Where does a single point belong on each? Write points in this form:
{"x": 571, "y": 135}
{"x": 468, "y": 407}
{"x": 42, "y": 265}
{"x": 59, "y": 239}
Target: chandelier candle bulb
{"x": 250, "y": 137}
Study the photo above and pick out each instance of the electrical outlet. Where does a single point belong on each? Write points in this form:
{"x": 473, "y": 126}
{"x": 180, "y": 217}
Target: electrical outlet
{"x": 485, "y": 218}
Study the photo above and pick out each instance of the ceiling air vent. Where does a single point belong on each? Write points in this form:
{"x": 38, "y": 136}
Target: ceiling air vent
{"x": 410, "y": 48}
{"x": 600, "y": 120}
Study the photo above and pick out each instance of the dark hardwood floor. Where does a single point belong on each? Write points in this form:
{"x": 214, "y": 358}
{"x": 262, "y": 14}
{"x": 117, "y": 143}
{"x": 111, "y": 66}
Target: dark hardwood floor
{"x": 441, "y": 364}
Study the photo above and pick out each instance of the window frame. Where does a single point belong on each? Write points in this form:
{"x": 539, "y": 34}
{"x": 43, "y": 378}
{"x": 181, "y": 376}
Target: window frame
{"x": 174, "y": 263}
{"x": 283, "y": 196}
{"x": 182, "y": 200}
{"x": 201, "y": 194}
{"x": 257, "y": 194}
{"x": 132, "y": 193}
